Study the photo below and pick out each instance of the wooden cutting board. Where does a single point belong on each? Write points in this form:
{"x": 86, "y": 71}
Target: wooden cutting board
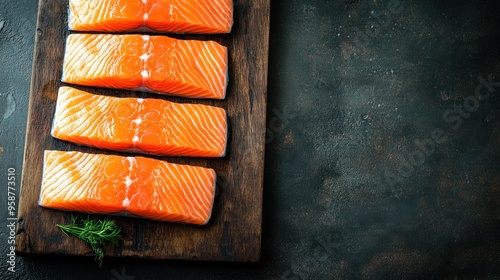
{"x": 234, "y": 232}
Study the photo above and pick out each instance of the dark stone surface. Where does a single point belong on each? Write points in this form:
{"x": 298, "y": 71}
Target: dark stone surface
{"x": 375, "y": 166}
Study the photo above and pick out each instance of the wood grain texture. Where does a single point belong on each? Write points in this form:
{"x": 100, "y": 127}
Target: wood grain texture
{"x": 234, "y": 232}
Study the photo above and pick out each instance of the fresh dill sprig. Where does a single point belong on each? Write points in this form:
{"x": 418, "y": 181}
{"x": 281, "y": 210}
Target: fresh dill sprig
{"x": 94, "y": 232}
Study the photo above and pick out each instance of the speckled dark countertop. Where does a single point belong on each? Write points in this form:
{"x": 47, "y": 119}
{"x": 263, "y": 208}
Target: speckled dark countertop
{"x": 383, "y": 153}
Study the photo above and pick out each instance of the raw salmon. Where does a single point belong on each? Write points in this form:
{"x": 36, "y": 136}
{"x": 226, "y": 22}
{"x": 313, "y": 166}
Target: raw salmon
{"x": 188, "y": 16}
{"x": 147, "y": 125}
{"x": 188, "y": 68}
{"x": 139, "y": 186}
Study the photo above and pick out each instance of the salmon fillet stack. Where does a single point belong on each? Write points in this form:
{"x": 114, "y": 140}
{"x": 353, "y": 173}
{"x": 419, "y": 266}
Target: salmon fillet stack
{"x": 139, "y": 186}
{"x": 135, "y": 185}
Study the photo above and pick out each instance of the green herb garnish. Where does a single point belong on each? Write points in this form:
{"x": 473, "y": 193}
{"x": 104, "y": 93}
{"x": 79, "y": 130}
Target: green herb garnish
{"x": 94, "y": 232}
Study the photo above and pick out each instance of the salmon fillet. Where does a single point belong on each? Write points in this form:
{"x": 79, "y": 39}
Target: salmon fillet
{"x": 152, "y": 126}
{"x": 138, "y": 186}
{"x": 160, "y": 64}
{"x": 176, "y": 16}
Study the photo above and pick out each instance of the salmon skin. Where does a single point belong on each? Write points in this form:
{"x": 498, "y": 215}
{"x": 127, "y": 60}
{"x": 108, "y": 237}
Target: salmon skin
{"x": 160, "y": 64}
{"x": 151, "y": 126}
{"x": 175, "y": 16}
{"x": 135, "y": 186}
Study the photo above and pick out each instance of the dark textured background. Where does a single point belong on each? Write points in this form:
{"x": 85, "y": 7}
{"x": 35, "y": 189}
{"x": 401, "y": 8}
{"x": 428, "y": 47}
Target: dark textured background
{"x": 356, "y": 187}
